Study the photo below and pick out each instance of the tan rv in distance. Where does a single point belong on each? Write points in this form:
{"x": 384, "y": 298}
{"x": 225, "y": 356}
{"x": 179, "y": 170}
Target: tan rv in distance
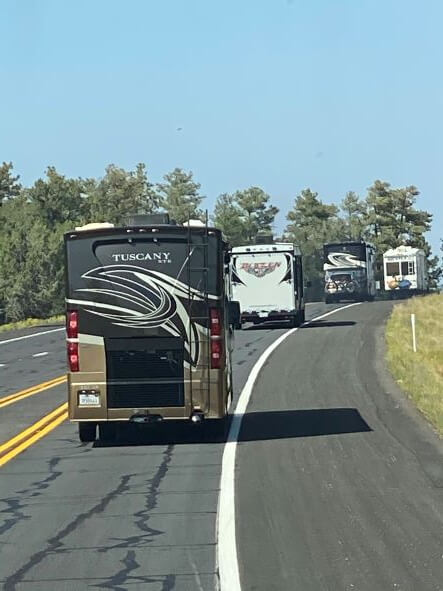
{"x": 149, "y": 324}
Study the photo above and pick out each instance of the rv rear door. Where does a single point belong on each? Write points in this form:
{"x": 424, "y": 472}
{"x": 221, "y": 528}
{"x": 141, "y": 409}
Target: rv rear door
{"x": 263, "y": 281}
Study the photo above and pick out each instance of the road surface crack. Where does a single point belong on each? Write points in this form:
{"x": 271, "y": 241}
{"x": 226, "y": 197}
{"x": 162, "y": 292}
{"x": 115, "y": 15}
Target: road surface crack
{"x": 55, "y": 544}
{"x": 15, "y": 506}
{"x": 146, "y": 537}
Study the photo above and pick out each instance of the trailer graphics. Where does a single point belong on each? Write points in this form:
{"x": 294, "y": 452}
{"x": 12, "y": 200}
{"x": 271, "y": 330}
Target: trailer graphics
{"x": 267, "y": 281}
{"x": 259, "y": 269}
{"x": 148, "y": 325}
{"x": 349, "y": 271}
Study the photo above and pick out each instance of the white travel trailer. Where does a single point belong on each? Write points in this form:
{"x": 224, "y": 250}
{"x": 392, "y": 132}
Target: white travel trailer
{"x": 267, "y": 281}
{"x": 405, "y": 270}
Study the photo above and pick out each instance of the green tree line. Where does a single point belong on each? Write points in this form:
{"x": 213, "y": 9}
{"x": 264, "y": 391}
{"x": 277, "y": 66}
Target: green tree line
{"x": 33, "y": 220}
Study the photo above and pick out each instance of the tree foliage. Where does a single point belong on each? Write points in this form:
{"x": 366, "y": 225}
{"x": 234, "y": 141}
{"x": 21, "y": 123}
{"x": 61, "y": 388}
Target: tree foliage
{"x": 228, "y": 218}
{"x": 33, "y": 220}
{"x": 355, "y": 212}
{"x": 393, "y": 219}
{"x": 9, "y": 185}
{"x": 180, "y": 197}
{"x": 244, "y": 214}
{"x": 311, "y": 224}
{"x": 120, "y": 193}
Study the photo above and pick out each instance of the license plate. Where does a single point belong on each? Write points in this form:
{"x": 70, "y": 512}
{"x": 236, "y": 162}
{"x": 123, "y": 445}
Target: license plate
{"x": 89, "y": 399}
{"x": 263, "y": 314}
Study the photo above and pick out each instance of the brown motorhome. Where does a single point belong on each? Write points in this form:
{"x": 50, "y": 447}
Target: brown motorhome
{"x": 148, "y": 324}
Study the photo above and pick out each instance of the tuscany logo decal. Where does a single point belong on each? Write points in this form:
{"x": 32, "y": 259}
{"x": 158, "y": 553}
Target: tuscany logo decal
{"x": 259, "y": 269}
{"x": 156, "y": 257}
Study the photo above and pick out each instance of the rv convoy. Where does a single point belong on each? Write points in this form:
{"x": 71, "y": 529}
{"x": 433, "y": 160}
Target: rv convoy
{"x": 151, "y": 309}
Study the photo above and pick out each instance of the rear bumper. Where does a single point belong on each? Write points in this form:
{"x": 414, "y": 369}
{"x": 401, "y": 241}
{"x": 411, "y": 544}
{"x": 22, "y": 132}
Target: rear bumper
{"x": 210, "y": 402}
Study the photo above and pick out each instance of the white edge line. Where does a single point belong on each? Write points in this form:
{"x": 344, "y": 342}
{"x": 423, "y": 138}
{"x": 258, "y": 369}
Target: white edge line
{"x": 30, "y": 336}
{"x": 227, "y": 559}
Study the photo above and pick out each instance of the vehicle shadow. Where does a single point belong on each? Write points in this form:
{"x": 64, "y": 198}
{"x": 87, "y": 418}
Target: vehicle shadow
{"x": 328, "y": 324}
{"x": 284, "y": 324}
{"x": 289, "y": 424}
{"x": 253, "y": 426}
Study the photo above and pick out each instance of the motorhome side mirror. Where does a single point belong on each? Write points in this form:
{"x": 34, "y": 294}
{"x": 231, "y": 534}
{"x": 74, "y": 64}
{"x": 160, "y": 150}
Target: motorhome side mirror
{"x": 234, "y": 313}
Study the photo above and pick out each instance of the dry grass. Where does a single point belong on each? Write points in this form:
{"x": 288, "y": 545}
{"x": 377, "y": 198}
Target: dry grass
{"x": 419, "y": 374}
{"x": 32, "y": 322}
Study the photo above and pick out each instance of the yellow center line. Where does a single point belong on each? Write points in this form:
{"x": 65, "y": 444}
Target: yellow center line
{"x": 10, "y": 449}
{"x": 12, "y": 398}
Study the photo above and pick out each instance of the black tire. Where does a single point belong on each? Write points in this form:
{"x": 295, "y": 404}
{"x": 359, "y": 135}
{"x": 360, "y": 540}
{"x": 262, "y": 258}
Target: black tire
{"x": 302, "y": 316}
{"x": 294, "y": 321}
{"x": 329, "y": 300}
{"x": 87, "y": 432}
{"x": 238, "y": 326}
{"x": 107, "y": 431}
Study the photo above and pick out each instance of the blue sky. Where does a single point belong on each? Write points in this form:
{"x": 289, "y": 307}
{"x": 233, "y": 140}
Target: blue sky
{"x": 283, "y": 94}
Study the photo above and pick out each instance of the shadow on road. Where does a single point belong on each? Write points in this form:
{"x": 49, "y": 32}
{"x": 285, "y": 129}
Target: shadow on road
{"x": 268, "y": 325}
{"x": 287, "y": 424}
{"x": 328, "y": 324}
{"x": 255, "y": 426}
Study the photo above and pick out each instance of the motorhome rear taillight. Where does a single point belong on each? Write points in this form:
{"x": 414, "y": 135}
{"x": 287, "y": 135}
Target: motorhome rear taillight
{"x": 216, "y": 353}
{"x": 72, "y": 325}
{"x": 216, "y": 325}
{"x": 73, "y": 358}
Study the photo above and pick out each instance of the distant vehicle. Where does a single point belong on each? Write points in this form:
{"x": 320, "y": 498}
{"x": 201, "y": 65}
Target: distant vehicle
{"x": 405, "y": 271}
{"x": 267, "y": 281}
{"x": 349, "y": 271}
{"x": 148, "y": 324}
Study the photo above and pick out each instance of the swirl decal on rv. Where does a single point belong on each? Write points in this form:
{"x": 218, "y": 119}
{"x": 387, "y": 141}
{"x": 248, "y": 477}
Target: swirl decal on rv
{"x": 134, "y": 297}
{"x": 340, "y": 259}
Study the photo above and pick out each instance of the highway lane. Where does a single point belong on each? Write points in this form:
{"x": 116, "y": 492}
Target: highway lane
{"x": 76, "y": 516}
{"x": 339, "y": 482}
{"x": 29, "y": 361}
{"x": 22, "y": 366}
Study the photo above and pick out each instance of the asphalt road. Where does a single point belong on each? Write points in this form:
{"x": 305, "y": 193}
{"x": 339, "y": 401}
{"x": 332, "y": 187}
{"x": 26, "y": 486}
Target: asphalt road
{"x": 338, "y": 482}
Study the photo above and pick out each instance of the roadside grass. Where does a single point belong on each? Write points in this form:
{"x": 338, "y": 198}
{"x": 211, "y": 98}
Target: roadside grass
{"x": 29, "y": 322}
{"x": 419, "y": 374}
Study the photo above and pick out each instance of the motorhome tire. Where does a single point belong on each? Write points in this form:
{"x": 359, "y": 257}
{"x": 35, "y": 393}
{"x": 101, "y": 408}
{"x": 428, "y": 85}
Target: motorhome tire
{"x": 87, "y": 432}
{"x": 295, "y": 321}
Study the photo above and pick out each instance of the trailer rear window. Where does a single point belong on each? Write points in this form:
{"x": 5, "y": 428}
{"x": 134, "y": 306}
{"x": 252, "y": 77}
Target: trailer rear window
{"x": 392, "y": 269}
{"x": 408, "y": 268}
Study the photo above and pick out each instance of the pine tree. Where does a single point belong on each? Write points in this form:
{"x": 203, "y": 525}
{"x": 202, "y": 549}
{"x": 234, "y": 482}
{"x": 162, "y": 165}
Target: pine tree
{"x": 120, "y": 193}
{"x": 9, "y": 185}
{"x": 355, "y": 211}
{"x": 311, "y": 224}
{"x": 228, "y": 218}
{"x": 180, "y": 197}
{"x": 256, "y": 213}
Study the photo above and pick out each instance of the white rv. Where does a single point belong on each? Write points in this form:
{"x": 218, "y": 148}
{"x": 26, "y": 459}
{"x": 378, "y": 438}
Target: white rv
{"x": 267, "y": 281}
{"x": 405, "y": 270}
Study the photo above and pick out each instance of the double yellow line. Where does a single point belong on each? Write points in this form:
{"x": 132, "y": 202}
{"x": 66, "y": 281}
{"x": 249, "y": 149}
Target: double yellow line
{"x": 12, "y": 398}
{"x": 29, "y": 436}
